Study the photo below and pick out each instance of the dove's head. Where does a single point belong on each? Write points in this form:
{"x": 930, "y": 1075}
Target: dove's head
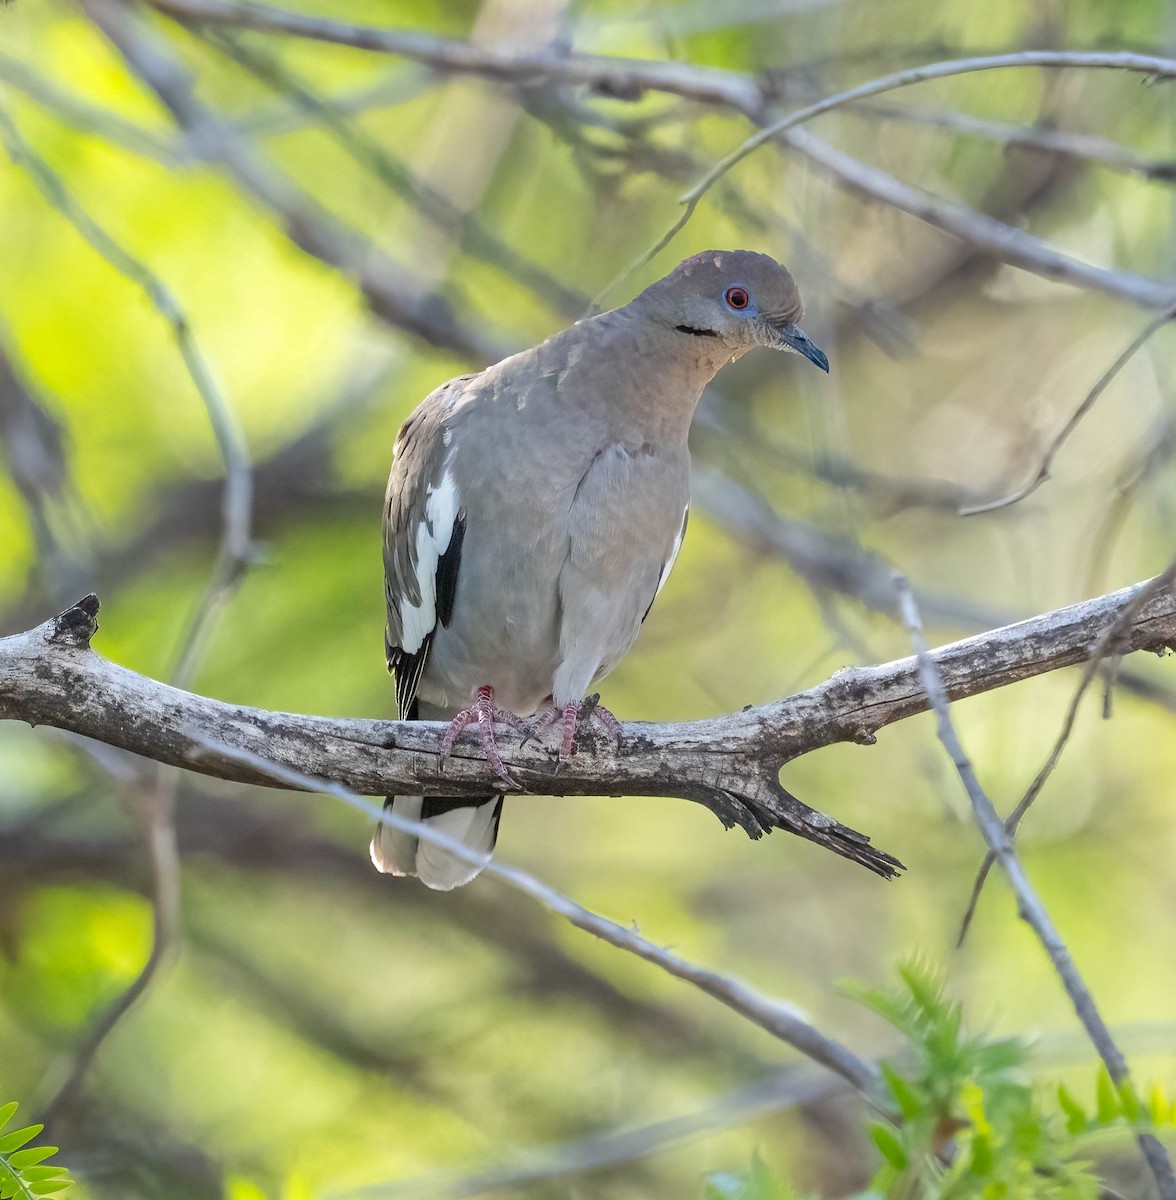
{"x": 742, "y": 298}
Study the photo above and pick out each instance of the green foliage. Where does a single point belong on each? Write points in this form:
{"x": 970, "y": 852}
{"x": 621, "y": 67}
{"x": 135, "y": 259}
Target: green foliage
{"x": 966, "y": 1122}
{"x": 23, "y": 1172}
{"x": 969, "y": 1124}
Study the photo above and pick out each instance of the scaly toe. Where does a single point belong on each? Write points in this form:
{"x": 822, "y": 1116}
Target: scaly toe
{"x": 568, "y": 720}
{"x": 462, "y": 721}
{"x": 485, "y": 714}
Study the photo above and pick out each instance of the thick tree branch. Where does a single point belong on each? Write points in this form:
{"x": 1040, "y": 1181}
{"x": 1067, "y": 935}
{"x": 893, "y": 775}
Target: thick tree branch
{"x": 49, "y": 675}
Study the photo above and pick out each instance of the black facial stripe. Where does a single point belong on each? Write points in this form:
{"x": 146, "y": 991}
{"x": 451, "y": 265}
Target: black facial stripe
{"x": 696, "y": 332}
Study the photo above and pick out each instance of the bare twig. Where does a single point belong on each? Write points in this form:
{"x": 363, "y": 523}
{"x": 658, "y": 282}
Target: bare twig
{"x": 1075, "y": 419}
{"x": 751, "y": 97}
{"x": 783, "y": 1090}
{"x": 1139, "y": 289}
{"x": 288, "y": 116}
{"x": 84, "y": 116}
{"x": 622, "y": 77}
{"x": 1121, "y": 60}
{"x": 1029, "y": 905}
{"x": 1106, "y": 645}
{"x": 33, "y": 448}
{"x": 1155, "y": 451}
{"x": 1083, "y": 146}
{"x": 214, "y": 825}
{"x": 626, "y": 77}
{"x": 430, "y": 203}
{"x": 386, "y": 287}
{"x": 298, "y": 478}
{"x": 235, "y": 545}
{"x": 1004, "y": 242}
{"x": 779, "y": 1019}
{"x": 825, "y": 561}
{"x": 156, "y": 797}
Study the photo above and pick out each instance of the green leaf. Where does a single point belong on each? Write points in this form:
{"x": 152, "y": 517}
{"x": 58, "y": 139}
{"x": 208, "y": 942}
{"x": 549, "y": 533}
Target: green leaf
{"x": 1107, "y": 1097}
{"x": 18, "y": 1137}
{"x": 1004, "y": 1055}
{"x": 909, "y": 1102}
{"x": 37, "y": 1174}
{"x": 982, "y": 1156}
{"x": 1129, "y": 1101}
{"x": 22, "y": 1177}
{"x": 30, "y": 1157}
{"x": 889, "y": 1145}
{"x": 1076, "y": 1119}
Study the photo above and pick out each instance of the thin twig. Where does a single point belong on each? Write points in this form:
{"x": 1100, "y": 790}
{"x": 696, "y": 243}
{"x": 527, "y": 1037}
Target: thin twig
{"x": 235, "y": 545}
{"x": 274, "y": 118}
{"x": 629, "y": 78}
{"x": 781, "y": 1020}
{"x": 622, "y": 77}
{"x": 431, "y": 204}
{"x": 1083, "y": 146}
{"x": 1156, "y": 448}
{"x": 1137, "y": 288}
{"x": 742, "y": 93}
{"x": 1029, "y": 905}
{"x": 754, "y": 1100}
{"x": 1075, "y": 419}
{"x": 157, "y": 798}
{"x": 1106, "y": 645}
{"x": 157, "y": 794}
{"x": 1002, "y": 241}
{"x": 626, "y": 77}
{"x": 1147, "y": 64}
{"x": 826, "y": 562}
{"x": 387, "y": 288}
{"x": 34, "y": 449}
{"x": 82, "y": 115}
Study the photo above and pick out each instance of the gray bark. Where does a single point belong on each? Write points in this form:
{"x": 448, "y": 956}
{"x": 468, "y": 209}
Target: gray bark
{"x": 50, "y": 676}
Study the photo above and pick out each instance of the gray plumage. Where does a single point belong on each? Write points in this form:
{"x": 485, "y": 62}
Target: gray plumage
{"x": 534, "y": 510}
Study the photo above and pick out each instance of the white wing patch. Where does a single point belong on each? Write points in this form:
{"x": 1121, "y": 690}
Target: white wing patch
{"x": 665, "y": 573}
{"x": 434, "y": 533}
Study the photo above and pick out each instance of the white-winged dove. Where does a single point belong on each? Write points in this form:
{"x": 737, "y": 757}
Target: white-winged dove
{"x": 534, "y": 512}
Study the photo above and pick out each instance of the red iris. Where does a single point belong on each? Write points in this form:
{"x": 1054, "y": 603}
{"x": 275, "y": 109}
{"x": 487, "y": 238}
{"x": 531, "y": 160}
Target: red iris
{"x": 737, "y": 297}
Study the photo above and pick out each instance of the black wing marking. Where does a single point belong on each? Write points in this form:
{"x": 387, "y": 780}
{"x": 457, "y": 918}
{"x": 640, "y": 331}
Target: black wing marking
{"x": 408, "y": 668}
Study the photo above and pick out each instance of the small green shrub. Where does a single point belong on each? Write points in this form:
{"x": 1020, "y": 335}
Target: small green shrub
{"x": 24, "y": 1174}
{"x": 967, "y": 1120}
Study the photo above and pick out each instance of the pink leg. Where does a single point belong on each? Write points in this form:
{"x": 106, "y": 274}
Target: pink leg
{"x": 589, "y": 710}
{"x": 486, "y": 714}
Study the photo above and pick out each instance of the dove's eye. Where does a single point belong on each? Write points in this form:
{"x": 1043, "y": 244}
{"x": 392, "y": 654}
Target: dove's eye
{"x": 737, "y": 297}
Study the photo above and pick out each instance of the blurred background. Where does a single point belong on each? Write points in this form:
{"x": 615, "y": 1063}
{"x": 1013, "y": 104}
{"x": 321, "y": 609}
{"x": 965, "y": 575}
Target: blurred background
{"x": 331, "y": 233}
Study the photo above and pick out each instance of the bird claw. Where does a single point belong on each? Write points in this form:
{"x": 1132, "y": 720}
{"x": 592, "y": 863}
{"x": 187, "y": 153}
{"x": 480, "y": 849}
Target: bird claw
{"x": 572, "y": 716}
{"x": 486, "y": 714}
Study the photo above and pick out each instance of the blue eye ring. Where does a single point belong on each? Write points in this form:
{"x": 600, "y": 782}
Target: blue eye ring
{"x": 737, "y": 298}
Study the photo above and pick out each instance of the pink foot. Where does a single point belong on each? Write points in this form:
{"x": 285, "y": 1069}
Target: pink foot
{"x": 572, "y": 716}
{"x": 486, "y": 714}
